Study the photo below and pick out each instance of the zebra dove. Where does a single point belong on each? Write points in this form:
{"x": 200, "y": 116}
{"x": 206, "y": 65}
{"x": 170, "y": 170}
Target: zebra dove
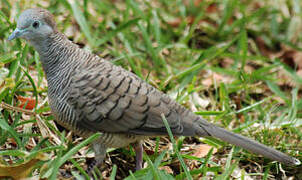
{"x": 88, "y": 94}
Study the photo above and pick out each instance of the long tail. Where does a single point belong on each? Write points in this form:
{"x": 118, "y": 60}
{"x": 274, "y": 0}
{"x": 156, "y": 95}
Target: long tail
{"x": 205, "y": 128}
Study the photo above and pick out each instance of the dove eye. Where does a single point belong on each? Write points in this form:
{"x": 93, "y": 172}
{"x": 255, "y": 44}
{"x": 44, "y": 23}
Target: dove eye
{"x": 36, "y": 24}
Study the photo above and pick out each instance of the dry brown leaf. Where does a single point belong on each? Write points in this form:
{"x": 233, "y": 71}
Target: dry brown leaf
{"x": 199, "y": 151}
{"x": 202, "y": 150}
{"x": 23, "y": 170}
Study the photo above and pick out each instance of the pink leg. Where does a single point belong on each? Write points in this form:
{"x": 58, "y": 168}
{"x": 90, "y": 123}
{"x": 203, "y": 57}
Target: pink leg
{"x": 138, "y": 147}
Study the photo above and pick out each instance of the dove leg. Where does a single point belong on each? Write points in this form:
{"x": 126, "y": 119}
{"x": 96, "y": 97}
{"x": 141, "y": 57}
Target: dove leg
{"x": 138, "y": 147}
{"x": 100, "y": 154}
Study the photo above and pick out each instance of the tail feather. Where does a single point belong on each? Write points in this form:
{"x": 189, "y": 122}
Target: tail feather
{"x": 243, "y": 142}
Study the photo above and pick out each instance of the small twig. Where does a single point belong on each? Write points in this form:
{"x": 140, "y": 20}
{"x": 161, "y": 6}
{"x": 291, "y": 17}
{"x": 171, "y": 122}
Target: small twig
{"x": 46, "y": 132}
{"x": 10, "y": 107}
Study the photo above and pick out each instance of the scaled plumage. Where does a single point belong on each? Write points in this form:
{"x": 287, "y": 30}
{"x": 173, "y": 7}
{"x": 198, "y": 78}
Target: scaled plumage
{"x": 88, "y": 94}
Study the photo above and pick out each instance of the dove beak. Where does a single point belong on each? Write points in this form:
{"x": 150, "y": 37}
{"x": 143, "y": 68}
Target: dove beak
{"x": 16, "y": 33}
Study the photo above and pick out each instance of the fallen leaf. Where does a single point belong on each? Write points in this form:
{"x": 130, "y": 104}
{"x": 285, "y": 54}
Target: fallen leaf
{"x": 198, "y": 151}
{"x": 23, "y": 170}
{"x": 202, "y": 150}
{"x": 28, "y": 101}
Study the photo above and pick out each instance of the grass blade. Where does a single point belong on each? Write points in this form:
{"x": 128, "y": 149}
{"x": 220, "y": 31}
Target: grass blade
{"x": 185, "y": 168}
{"x": 80, "y": 18}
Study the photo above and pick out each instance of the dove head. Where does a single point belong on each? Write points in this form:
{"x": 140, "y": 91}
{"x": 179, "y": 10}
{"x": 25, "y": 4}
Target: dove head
{"x": 34, "y": 25}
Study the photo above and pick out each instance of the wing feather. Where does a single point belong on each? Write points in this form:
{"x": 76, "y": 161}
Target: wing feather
{"x": 116, "y": 100}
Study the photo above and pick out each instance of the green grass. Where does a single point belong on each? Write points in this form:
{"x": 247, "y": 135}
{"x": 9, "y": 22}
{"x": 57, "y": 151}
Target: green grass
{"x": 246, "y": 45}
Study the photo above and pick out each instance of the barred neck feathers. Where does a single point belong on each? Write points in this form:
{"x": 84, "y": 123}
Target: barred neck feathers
{"x": 55, "y": 51}
{"x": 59, "y": 58}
